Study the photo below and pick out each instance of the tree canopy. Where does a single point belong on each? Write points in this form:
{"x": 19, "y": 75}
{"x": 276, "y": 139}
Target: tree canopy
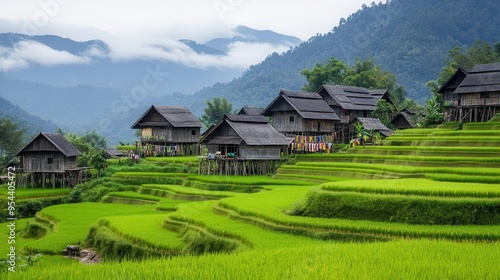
{"x": 11, "y": 139}
{"x": 92, "y": 146}
{"x": 216, "y": 110}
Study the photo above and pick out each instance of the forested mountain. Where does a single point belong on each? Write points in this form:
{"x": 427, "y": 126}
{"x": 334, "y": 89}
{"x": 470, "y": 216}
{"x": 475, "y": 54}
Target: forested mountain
{"x": 31, "y": 123}
{"x": 411, "y": 38}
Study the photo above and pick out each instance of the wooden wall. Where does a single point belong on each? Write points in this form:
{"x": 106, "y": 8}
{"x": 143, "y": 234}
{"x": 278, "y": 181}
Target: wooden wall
{"x": 171, "y": 134}
{"x": 478, "y": 99}
{"x": 260, "y": 152}
{"x": 282, "y": 121}
{"x": 47, "y": 162}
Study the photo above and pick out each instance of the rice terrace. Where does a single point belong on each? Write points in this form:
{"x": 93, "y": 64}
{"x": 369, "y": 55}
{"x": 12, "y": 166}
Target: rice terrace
{"x": 424, "y": 205}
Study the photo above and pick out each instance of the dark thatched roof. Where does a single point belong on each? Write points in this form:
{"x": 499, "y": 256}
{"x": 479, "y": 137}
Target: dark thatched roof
{"x": 253, "y": 130}
{"x": 354, "y": 98}
{"x": 375, "y": 124}
{"x": 56, "y": 139}
{"x": 247, "y": 118}
{"x": 406, "y": 116}
{"x": 176, "y": 116}
{"x": 250, "y": 111}
{"x": 481, "y": 78}
{"x": 309, "y": 105}
{"x": 454, "y": 81}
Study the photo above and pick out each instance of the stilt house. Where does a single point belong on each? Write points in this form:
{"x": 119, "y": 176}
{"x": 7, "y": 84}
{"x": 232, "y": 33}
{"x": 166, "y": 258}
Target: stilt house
{"x": 350, "y": 102}
{"x": 49, "y": 156}
{"x": 241, "y": 144}
{"x": 167, "y": 131}
{"x": 301, "y": 113}
{"x": 472, "y": 95}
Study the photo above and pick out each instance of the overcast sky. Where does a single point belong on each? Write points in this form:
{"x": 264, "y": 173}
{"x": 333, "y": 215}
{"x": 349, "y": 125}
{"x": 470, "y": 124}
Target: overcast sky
{"x": 135, "y": 29}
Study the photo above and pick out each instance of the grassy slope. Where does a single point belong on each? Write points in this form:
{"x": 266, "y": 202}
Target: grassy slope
{"x": 277, "y": 244}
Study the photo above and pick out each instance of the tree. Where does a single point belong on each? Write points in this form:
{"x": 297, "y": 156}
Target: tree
{"x": 216, "y": 110}
{"x": 384, "y": 111}
{"x": 433, "y": 114}
{"x": 333, "y": 72}
{"x": 12, "y": 138}
{"x": 98, "y": 161}
{"x": 90, "y": 144}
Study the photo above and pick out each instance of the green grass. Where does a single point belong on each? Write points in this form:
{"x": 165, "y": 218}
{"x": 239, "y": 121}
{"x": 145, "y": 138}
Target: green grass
{"x": 245, "y": 180}
{"x": 145, "y": 230}
{"x": 72, "y": 223}
{"x": 132, "y": 174}
{"x": 392, "y": 260}
{"x": 176, "y": 159}
{"x": 265, "y": 207}
{"x": 28, "y": 193}
{"x": 188, "y": 191}
{"x": 399, "y": 168}
{"x": 422, "y": 187}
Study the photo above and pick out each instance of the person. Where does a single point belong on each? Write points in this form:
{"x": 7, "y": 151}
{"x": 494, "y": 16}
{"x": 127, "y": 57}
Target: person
{"x": 136, "y": 158}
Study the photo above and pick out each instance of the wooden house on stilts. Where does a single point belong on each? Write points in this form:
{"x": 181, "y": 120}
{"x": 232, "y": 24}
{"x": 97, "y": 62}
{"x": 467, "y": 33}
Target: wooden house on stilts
{"x": 241, "y": 145}
{"x": 472, "y": 95}
{"x": 350, "y": 102}
{"x": 168, "y": 131}
{"x": 305, "y": 119}
{"x": 50, "y": 157}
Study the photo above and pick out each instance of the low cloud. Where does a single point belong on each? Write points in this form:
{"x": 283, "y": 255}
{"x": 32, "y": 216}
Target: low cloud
{"x": 240, "y": 55}
{"x": 25, "y": 53}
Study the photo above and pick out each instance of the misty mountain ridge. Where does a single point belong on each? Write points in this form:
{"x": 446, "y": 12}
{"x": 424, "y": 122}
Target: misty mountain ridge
{"x": 413, "y": 45}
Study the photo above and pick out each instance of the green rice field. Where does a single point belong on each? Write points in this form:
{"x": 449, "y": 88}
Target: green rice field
{"x": 424, "y": 205}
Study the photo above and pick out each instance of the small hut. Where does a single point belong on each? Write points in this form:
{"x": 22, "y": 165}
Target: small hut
{"x": 373, "y": 124}
{"x": 404, "y": 119}
{"x": 241, "y": 145}
{"x": 49, "y": 156}
{"x": 168, "y": 131}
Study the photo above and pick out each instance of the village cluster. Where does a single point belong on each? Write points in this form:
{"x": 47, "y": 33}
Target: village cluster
{"x": 252, "y": 141}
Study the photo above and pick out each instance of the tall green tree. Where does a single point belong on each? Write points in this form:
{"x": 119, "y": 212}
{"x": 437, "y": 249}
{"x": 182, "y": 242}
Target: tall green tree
{"x": 91, "y": 144}
{"x": 12, "y": 138}
{"x": 215, "y": 110}
{"x": 333, "y": 72}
